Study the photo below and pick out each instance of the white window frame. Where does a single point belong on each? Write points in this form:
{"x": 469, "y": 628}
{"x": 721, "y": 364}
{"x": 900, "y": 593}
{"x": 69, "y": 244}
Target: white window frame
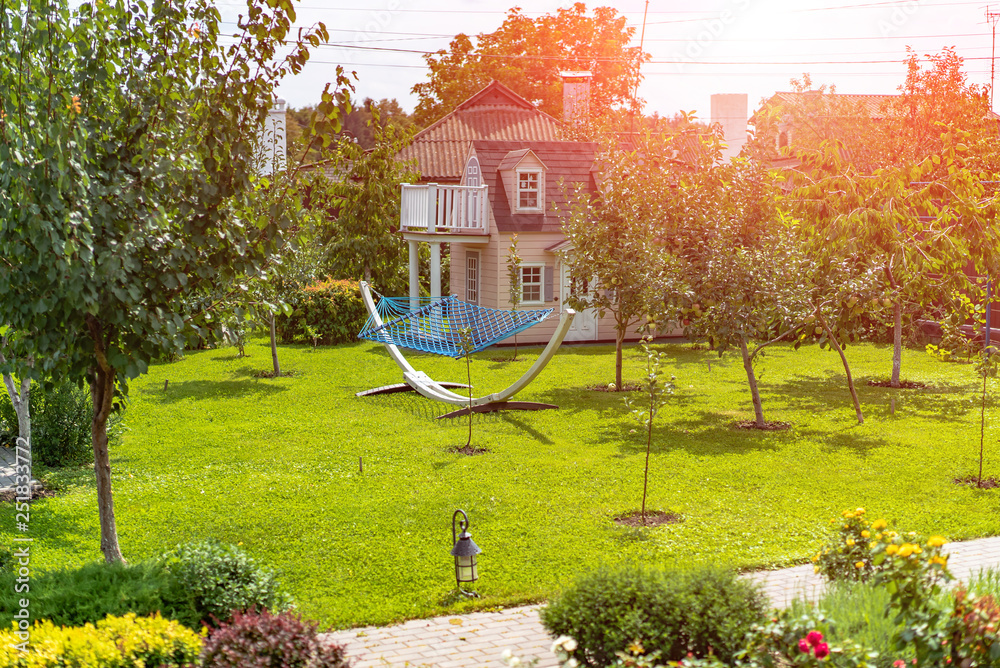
{"x": 472, "y": 276}
{"x": 541, "y": 283}
{"x": 538, "y": 192}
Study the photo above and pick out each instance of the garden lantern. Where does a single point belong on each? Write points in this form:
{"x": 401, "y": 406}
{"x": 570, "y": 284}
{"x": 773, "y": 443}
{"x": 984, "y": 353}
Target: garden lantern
{"x": 464, "y": 549}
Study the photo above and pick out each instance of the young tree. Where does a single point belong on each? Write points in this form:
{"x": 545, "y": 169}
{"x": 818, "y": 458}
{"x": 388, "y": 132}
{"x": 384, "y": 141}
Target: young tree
{"x": 514, "y": 278}
{"x": 658, "y": 393}
{"x": 128, "y": 144}
{"x": 986, "y": 368}
{"x": 527, "y": 55}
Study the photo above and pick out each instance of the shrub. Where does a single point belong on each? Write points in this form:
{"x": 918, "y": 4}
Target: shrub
{"x": 260, "y": 639}
{"x": 209, "y": 581}
{"x": 804, "y": 640}
{"x": 705, "y": 611}
{"x": 328, "y": 312}
{"x": 85, "y": 595}
{"x": 974, "y": 629}
{"x": 847, "y": 555}
{"x": 60, "y": 424}
{"x": 116, "y": 641}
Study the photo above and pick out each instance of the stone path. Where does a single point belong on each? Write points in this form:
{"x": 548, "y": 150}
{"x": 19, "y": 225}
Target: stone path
{"x": 476, "y": 640}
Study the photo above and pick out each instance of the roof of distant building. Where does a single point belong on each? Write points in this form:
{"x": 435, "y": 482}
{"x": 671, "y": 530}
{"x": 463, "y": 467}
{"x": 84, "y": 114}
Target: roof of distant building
{"x": 496, "y": 113}
{"x": 875, "y": 106}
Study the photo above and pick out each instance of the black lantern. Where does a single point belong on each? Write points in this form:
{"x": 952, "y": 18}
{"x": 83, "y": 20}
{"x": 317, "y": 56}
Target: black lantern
{"x": 464, "y": 550}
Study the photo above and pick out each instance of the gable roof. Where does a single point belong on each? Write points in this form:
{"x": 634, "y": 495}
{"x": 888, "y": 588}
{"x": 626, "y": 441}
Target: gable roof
{"x": 514, "y": 158}
{"x": 496, "y": 113}
{"x": 566, "y": 164}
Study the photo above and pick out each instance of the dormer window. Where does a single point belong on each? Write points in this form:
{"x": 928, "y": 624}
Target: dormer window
{"x": 528, "y": 190}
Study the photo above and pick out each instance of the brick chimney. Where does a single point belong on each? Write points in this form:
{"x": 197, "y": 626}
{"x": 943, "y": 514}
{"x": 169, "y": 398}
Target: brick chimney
{"x": 730, "y": 111}
{"x": 576, "y": 96}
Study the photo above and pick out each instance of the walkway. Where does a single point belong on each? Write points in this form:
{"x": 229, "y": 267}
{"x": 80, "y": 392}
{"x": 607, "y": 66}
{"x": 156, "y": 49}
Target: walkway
{"x": 8, "y": 470}
{"x": 476, "y": 640}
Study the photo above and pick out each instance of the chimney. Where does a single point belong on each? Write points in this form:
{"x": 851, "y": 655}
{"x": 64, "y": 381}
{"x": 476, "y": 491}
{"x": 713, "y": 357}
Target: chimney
{"x": 273, "y": 148}
{"x": 730, "y": 111}
{"x": 576, "y": 96}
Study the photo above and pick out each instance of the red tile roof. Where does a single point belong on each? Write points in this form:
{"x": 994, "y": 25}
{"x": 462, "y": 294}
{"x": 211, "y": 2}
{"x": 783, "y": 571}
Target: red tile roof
{"x": 494, "y": 113}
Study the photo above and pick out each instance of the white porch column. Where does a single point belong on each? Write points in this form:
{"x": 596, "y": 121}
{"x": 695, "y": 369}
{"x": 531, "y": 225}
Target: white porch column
{"x": 435, "y": 270}
{"x": 414, "y": 275}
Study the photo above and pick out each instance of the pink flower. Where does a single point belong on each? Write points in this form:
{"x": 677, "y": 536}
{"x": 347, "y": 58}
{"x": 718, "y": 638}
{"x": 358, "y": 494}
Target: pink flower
{"x": 804, "y": 646}
{"x": 814, "y": 638}
{"x": 898, "y": 663}
{"x": 822, "y": 650}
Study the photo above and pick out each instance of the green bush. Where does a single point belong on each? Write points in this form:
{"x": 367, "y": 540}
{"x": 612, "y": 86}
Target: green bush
{"x": 85, "y": 595}
{"x": 116, "y": 641}
{"x": 209, "y": 581}
{"x": 60, "y": 424}
{"x": 332, "y": 311}
{"x": 674, "y": 612}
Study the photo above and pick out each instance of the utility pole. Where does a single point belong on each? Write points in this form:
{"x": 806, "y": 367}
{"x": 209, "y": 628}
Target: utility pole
{"x": 992, "y": 18}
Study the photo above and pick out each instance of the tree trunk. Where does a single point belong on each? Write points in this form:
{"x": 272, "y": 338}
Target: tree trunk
{"x": 468, "y": 376}
{"x": 897, "y": 343}
{"x": 20, "y": 401}
{"x": 274, "y": 349}
{"x": 514, "y": 359}
{"x": 102, "y": 391}
{"x": 649, "y": 440}
{"x": 619, "y": 342}
{"x": 758, "y": 410}
{"x": 982, "y": 434}
{"x": 847, "y": 370}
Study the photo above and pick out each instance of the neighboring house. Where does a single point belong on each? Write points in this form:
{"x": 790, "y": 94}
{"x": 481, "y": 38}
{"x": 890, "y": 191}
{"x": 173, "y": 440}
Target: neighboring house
{"x": 494, "y": 167}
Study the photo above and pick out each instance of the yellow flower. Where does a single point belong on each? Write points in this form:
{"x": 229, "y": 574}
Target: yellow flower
{"x": 939, "y": 560}
{"x": 859, "y": 511}
{"x": 636, "y": 648}
{"x": 848, "y": 514}
{"x": 859, "y": 564}
{"x": 866, "y": 533}
{"x": 815, "y": 569}
{"x": 892, "y": 549}
{"x": 936, "y": 541}
{"x": 879, "y": 524}
{"x": 815, "y": 559}
{"x": 905, "y": 550}
{"x": 74, "y": 106}
{"x": 850, "y": 542}
{"x": 917, "y": 550}
{"x": 871, "y": 545}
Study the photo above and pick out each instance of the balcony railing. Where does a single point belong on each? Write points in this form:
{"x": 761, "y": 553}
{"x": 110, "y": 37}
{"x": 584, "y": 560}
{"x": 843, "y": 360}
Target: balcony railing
{"x": 433, "y": 208}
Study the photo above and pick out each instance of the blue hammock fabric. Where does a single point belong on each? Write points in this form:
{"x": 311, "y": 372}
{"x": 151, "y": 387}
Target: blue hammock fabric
{"x": 435, "y": 325}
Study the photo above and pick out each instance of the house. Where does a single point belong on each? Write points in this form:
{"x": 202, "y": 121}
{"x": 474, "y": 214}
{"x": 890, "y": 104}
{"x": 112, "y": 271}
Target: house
{"x": 494, "y": 167}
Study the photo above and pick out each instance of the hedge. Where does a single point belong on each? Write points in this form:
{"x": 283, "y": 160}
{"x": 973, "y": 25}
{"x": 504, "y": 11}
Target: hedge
{"x": 327, "y": 313}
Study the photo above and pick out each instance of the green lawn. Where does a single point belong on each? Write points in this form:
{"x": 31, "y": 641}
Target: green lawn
{"x": 273, "y": 464}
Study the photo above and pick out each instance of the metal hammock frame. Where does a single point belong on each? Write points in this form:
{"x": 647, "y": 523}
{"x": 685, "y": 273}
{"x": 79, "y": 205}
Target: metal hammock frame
{"x": 377, "y": 329}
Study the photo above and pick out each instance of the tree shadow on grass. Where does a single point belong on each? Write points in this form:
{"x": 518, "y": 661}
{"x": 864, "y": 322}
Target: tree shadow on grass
{"x": 720, "y": 438}
{"x": 521, "y": 425}
{"x": 215, "y": 389}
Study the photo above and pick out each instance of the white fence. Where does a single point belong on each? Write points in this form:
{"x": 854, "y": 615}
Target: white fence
{"x": 434, "y": 208}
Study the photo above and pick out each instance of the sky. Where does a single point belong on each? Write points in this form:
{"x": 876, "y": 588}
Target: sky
{"x": 697, "y": 49}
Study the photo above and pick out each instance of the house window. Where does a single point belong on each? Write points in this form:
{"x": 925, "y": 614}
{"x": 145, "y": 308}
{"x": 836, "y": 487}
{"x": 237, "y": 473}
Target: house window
{"x": 528, "y": 190}
{"x": 531, "y": 284}
{"x": 472, "y": 277}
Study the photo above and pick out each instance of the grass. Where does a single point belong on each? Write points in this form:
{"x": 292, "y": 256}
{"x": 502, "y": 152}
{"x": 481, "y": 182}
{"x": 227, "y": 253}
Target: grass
{"x": 273, "y": 464}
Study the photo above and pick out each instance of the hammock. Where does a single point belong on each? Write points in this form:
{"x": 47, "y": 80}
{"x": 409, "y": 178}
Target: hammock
{"x": 436, "y": 326}
{"x": 433, "y": 327}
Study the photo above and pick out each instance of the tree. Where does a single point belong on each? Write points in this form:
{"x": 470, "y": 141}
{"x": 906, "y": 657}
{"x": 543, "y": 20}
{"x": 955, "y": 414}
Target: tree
{"x": 986, "y": 368}
{"x": 363, "y": 242}
{"x": 20, "y": 394}
{"x": 356, "y": 126}
{"x": 615, "y": 240}
{"x": 514, "y": 278}
{"x": 129, "y": 144}
{"x": 658, "y": 394}
{"x": 527, "y": 55}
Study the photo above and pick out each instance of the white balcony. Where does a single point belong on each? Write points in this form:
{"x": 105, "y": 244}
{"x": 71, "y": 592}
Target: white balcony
{"x": 432, "y": 208}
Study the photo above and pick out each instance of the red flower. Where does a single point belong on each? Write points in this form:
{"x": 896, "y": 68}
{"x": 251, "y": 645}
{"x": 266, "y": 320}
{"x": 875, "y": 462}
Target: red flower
{"x": 822, "y": 650}
{"x": 804, "y": 646}
{"x": 814, "y": 638}
{"x": 898, "y": 663}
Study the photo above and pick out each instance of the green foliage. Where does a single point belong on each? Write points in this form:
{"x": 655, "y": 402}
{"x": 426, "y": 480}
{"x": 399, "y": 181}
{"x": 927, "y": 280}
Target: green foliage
{"x": 261, "y": 640}
{"x": 567, "y": 40}
{"x": 793, "y": 638}
{"x": 89, "y": 593}
{"x": 60, "y": 424}
{"x": 847, "y": 554}
{"x": 211, "y": 580}
{"x": 670, "y": 612}
{"x": 327, "y": 312}
{"x": 973, "y": 629}
{"x": 129, "y": 640}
